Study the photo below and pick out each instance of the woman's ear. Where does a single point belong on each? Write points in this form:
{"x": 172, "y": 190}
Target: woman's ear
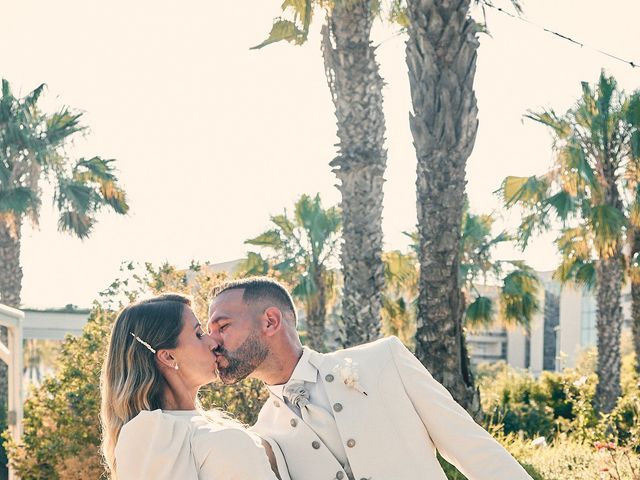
{"x": 166, "y": 359}
{"x": 274, "y": 320}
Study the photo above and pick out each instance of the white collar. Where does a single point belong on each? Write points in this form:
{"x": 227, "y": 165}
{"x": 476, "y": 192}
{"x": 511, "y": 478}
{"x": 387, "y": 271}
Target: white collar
{"x": 305, "y": 371}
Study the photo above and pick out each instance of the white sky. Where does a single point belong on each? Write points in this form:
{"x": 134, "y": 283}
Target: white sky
{"x": 211, "y": 138}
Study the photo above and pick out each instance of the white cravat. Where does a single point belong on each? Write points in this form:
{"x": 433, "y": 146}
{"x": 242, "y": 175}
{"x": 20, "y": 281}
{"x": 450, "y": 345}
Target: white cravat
{"x": 319, "y": 420}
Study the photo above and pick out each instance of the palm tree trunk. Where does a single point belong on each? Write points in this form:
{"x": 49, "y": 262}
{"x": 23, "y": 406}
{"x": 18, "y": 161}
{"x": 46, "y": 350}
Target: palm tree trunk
{"x": 356, "y": 89}
{"x": 635, "y": 299}
{"x": 609, "y": 326}
{"x": 316, "y": 315}
{"x": 10, "y": 269}
{"x": 10, "y": 286}
{"x": 551, "y": 322}
{"x": 441, "y": 56}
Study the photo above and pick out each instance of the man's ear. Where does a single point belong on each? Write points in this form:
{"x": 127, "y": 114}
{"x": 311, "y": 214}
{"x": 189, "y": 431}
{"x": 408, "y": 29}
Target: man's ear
{"x": 166, "y": 359}
{"x": 273, "y": 322}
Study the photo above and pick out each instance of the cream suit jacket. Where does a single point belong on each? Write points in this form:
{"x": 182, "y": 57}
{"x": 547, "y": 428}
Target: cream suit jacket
{"x": 392, "y": 432}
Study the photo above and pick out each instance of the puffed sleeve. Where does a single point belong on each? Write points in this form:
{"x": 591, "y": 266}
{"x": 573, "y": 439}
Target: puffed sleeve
{"x": 231, "y": 454}
{"x": 157, "y": 446}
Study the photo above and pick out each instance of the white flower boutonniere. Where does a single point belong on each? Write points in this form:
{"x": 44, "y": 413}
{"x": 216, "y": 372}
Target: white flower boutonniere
{"x": 348, "y": 372}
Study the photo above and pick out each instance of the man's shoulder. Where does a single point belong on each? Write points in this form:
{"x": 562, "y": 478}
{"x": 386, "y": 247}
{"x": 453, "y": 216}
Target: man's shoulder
{"x": 377, "y": 347}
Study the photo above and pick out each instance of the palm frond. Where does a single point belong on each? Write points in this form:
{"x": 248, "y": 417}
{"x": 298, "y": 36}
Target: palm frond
{"x": 18, "y": 200}
{"x": 76, "y": 223}
{"x": 480, "y": 313}
{"x": 519, "y": 297}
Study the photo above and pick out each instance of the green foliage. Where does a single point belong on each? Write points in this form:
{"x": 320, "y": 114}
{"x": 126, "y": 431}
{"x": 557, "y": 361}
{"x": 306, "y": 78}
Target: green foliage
{"x": 296, "y": 30}
{"x": 32, "y": 148}
{"x": 398, "y": 298}
{"x": 559, "y": 405}
{"x": 593, "y": 182}
{"x": 301, "y": 251}
{"x": 61, "y": 425}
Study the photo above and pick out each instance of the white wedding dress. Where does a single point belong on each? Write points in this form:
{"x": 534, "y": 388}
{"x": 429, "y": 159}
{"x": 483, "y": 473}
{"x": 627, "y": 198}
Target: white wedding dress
{"x": 177, "y": 445}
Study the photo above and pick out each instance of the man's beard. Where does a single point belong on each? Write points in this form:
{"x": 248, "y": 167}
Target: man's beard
{"x": 243, "y": 361}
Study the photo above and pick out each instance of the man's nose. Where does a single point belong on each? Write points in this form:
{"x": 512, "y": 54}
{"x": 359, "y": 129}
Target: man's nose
{"x": 214, "y": 343}
{"x": 214, "y": 334}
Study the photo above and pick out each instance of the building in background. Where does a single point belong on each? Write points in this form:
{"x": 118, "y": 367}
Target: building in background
{"x": 563, "y": 329}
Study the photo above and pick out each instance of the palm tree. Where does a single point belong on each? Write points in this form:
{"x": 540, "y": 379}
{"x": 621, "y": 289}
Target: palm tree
{"x": 356, "y": 89}
{"x": 515, "y": 304}
{"x": 444, "y": 126}
{"x": 31, "y": 153}
{"x": 301, "y": 252}
{"x": 592, "y": 190}
{"x": 398, "y": 300}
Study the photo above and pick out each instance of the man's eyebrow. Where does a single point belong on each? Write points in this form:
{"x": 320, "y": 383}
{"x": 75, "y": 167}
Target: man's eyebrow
{"x": 218, "y": 318}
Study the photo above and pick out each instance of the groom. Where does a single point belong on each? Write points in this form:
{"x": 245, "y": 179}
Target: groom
{"x": 371, "y": 412}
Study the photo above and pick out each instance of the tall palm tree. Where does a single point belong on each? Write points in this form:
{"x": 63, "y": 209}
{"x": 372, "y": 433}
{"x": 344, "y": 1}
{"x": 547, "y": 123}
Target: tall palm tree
{"x": 441, "y": 58}
{"x": 301, "y": 251}
{"x": 592, "y": 190}
{"x": 32, "y": 153}
{"x": 356, "y": 89}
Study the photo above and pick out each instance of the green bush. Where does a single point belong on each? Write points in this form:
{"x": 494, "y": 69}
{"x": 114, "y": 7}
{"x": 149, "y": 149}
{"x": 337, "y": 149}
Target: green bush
{"x": 61, "y": 438}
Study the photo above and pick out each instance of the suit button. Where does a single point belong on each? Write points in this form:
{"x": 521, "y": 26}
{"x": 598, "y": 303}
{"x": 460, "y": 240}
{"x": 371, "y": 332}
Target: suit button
{"x": 340, "y": 475}
{"x": 293, "y": 422}
{"x": 329, "y": 378}
{"x": 315, "y": 444}
{"x": 276, "y": 403}
{"x": 351, "y": 443}
{"x": 337, "y": 407}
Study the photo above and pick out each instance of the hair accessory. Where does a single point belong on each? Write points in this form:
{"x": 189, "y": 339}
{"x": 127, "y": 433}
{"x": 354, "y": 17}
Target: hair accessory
{"x": 138, "y": 339}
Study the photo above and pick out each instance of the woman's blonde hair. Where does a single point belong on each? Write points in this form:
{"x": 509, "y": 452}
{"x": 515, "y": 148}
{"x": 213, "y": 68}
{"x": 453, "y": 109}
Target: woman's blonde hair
{"x": 131, "y": 380}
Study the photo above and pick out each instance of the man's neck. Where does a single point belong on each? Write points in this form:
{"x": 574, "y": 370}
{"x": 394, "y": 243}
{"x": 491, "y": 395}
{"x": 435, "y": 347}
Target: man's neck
{"x": 279, "y": 369}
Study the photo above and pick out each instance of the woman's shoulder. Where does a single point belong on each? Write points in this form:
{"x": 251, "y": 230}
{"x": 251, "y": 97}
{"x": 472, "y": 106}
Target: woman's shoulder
{"x": 150, "y": 436}
{"x": 149, "y": 423}
{"x": 222, "y": 432}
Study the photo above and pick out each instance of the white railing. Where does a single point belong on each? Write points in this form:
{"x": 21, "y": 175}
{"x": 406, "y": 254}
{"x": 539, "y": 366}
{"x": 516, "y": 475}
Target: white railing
{"x": 11, "y": 354}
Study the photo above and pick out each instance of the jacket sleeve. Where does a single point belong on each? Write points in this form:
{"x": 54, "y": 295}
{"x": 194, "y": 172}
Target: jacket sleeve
{"x": 458, "y": 438}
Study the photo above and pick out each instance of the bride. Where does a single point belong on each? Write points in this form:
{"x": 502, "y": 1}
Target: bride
{"x": 152, "y": 423}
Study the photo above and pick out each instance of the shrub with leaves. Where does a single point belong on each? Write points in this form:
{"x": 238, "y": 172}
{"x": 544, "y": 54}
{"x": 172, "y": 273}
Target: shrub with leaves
{"x": 61, "y": 425}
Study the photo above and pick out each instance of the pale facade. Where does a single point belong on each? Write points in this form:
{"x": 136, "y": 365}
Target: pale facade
{"x": 573, "y": 332}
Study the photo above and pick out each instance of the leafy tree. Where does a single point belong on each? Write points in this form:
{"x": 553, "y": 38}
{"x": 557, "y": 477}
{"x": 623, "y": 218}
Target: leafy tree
{"x": 515, "y": 304}
{"x": 592, "y": 190}
{"x": 61, "y": 427}
{"x": 302, "y": 250}
{"x": 518, "y": 296}
{"x": 32, "y": 153}
{"x": 517, "y": 300}
{"x": 441, "y": 58}
{"x": 398, "y": 299}
{"x": 356, "y": 89}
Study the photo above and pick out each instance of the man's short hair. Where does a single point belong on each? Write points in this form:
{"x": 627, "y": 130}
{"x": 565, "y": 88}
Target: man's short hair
{"x": 259, "y": 290}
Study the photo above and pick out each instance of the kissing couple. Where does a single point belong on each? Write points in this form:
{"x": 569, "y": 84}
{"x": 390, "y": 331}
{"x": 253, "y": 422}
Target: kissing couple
{"x": 371, "y": 412}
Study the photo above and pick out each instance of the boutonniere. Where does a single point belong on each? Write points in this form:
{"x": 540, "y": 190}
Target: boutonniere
{"x": 348, "y": 372}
